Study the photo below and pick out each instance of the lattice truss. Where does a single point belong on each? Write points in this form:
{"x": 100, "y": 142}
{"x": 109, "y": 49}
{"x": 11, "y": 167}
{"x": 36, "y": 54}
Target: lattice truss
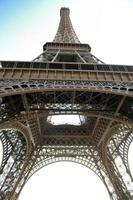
{"x": 65, "y": 32}
{"x": 29, "y": 97}
{"x": 101, "y": 141}
{"x": 68, "y": 55}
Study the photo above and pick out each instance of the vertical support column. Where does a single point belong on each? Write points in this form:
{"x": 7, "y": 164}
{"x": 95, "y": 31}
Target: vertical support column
{"x": 13, "y": 167}
{"x": 117, "y": 174}
{"x": 117, "y": 180}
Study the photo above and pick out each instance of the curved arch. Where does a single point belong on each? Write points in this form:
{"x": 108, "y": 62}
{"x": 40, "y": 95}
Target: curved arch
{"x": 1, "y": 152}
{"x": 65, "y": 158}
{"x": 130, "y": 157}
{"x": 117, "y": 145}
{"x": 70, "y": 177}
{"x": 31, "y": 86}
{"x": 17, "y": 154}
{"x": 15, "y": 125}
{"x": 121, "y": 133}
{"x": 90, "y": 161}
{"x": 20, "y": 128}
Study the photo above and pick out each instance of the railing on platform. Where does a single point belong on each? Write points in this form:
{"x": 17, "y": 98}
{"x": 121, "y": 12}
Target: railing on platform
{"x": 66, "y": 66}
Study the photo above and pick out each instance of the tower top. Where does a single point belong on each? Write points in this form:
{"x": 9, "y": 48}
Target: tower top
{"x": 65, "y": 32}
{"x": 64, "y": 10}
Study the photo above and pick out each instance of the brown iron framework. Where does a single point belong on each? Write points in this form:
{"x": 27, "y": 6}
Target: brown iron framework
{"x": 66, "y": 79}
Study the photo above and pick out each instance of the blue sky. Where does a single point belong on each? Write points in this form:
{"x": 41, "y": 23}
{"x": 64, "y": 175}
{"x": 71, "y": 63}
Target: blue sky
{"x": 22, "y": 20}
{"x": 16, "y": 17}
{"x": 106, "y": 25}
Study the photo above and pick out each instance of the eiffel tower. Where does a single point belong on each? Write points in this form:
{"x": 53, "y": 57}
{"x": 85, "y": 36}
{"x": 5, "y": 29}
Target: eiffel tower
{"x": 66, "y": 79}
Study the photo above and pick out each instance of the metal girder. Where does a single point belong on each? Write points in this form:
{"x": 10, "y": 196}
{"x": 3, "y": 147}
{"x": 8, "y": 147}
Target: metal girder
{"x": 15, "y": 164}
{"x": 60, "y": 74}
{"x": 80, "y": 154}
{"x": 66, "y": 79}
{"x": 110, "y": 122}
{"x": 28, "y": 86}
{"x": 101, "y": 120}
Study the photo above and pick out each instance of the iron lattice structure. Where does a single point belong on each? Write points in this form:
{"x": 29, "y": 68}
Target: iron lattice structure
{"x": 66, "y": 79}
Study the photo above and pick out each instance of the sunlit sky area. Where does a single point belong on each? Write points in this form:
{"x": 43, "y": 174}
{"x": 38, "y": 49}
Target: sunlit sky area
{"x": 107, "y": 26}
